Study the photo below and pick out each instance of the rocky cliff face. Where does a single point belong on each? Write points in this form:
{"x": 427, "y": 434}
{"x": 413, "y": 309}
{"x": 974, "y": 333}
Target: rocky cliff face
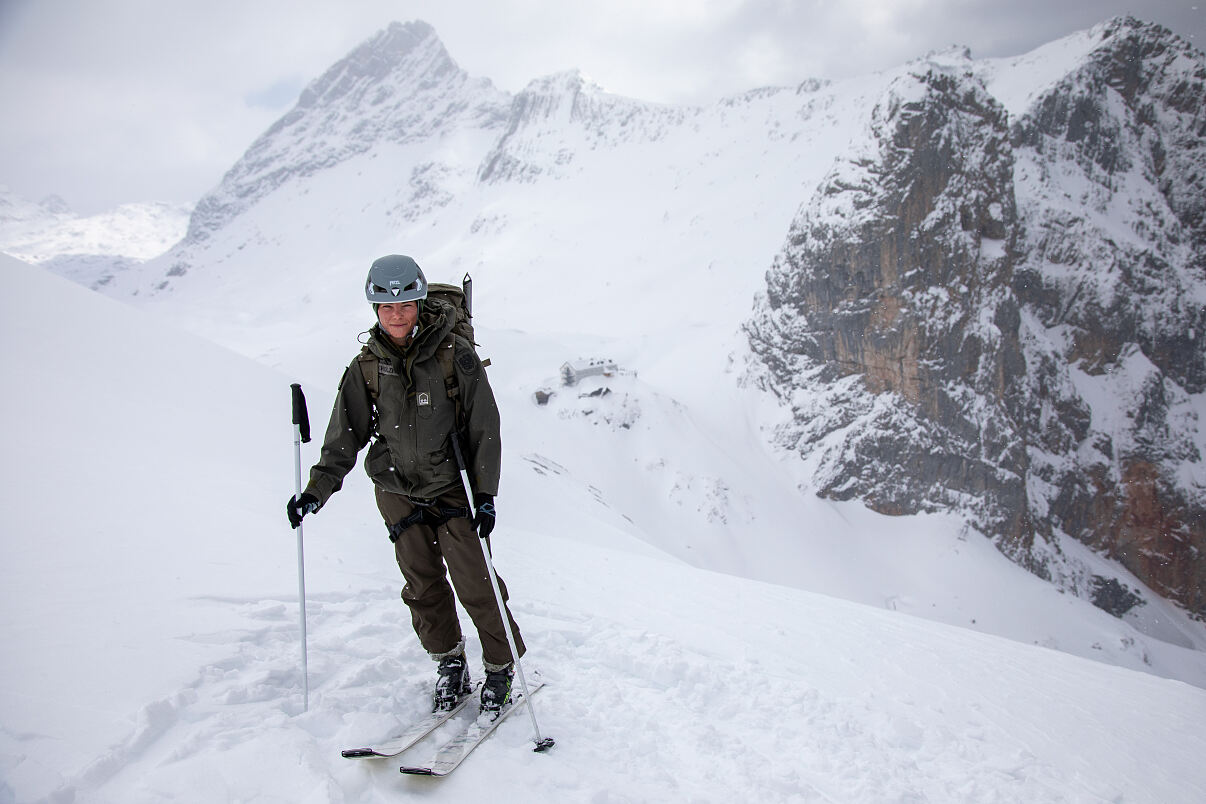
{"x": 1005, "y": 316}
{"x": 1112, "y": 163}
{"x": 893, "y": 298}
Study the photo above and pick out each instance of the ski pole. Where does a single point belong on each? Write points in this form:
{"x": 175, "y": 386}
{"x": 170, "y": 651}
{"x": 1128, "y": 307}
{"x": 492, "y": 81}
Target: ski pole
{"x": 542, "y": 743}
{"x": 301, "y": 435}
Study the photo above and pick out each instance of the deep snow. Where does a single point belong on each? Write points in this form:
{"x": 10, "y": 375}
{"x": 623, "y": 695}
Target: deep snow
{"x": 151, "y": 638}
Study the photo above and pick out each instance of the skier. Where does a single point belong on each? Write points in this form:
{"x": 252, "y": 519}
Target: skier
{"x": 413, "y": 386}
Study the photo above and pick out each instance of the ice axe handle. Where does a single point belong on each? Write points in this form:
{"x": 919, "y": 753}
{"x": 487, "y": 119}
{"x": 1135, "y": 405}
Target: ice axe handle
{"x": 301, "y": 416}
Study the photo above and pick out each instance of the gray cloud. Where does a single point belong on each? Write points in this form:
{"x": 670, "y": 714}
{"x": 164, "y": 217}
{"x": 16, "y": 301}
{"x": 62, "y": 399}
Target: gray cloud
{"x": 121, "y": 100}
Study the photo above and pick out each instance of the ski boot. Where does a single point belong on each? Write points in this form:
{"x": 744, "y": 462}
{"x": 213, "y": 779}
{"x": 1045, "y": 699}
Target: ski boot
{"x": 496, "y": 692}
{"x": 453, "y": 683}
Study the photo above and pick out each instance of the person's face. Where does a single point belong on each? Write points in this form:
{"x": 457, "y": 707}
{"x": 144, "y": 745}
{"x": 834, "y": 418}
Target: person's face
{"x": 398, "y": 320}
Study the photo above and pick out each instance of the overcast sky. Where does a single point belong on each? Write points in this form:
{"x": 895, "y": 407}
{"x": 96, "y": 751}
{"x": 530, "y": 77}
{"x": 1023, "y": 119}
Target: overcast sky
{"x": 111, "y": 101}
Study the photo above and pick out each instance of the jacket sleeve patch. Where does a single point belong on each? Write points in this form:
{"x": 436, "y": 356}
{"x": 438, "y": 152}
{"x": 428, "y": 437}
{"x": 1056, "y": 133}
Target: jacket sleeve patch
{"x": 467, "y": 362}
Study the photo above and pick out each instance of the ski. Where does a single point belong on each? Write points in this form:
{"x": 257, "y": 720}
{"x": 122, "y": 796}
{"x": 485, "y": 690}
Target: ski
{"x": 398, "y": 744}
{"x": 453, "y": 753}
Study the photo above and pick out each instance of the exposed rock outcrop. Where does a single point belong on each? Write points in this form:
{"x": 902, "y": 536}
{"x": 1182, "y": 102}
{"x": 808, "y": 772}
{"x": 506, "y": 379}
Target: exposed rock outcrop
{"x": 1008, "y": 317}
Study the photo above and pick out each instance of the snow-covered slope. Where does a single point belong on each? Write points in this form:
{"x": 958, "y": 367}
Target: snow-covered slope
{"x": 89, "y": 249}
{"x": 151, "y": 641}
{"x": 39, "y": 232}
{"x": 599, "y": 226}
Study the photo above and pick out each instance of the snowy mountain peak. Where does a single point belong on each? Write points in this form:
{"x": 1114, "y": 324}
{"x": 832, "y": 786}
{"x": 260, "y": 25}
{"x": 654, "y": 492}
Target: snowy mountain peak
{"x": 563, "y": 114}
{"x": 952, "y": 55}
{"x": 564, "y": 83}
{"x": 400, "y": 87}
{"x": 553, "y": 101}
{"x": 1133, "y": 55}
{"x": 55, "y": 205}
{"x": 401, "y": 54}
{"x": 1129, "y": 28}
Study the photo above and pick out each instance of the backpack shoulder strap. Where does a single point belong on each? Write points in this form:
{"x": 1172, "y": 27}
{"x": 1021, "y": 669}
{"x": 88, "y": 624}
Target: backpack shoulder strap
{"x": 445, "y": 353}
{"x": 369, "y": 371}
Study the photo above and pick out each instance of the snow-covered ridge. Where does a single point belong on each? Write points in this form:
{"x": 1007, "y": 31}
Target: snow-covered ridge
{"x": 565, "y": 114}
{"x": 40, "y": 232}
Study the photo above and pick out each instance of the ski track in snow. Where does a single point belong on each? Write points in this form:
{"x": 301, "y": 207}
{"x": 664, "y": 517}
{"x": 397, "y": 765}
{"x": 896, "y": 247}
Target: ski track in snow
{"x": 654, "y": 718}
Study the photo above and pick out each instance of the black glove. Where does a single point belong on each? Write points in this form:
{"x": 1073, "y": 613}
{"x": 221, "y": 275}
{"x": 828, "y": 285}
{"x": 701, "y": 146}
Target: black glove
{"x": 484, "y": 521}
{"x": 299, "y": 506}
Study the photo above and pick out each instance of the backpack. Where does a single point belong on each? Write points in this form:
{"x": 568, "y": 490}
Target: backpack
{"x": 461, "y": 300}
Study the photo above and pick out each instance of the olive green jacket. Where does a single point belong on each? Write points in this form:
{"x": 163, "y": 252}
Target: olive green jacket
{"x": 414, "y": 417}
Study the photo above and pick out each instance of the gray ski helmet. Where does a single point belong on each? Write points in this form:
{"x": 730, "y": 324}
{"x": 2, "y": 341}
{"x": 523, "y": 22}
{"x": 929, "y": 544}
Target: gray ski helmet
{"x": 395, "y": 278}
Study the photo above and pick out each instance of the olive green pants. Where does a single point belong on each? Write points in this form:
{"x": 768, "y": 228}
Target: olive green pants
{"x": 428, "y": 556}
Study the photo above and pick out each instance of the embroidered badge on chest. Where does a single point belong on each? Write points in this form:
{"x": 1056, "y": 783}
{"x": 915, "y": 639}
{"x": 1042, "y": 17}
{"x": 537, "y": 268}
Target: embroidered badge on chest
{"x": 423, "y": 399}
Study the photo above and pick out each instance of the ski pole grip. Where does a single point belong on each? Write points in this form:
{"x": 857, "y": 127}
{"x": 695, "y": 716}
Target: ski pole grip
{"x": 301, "y": 417}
